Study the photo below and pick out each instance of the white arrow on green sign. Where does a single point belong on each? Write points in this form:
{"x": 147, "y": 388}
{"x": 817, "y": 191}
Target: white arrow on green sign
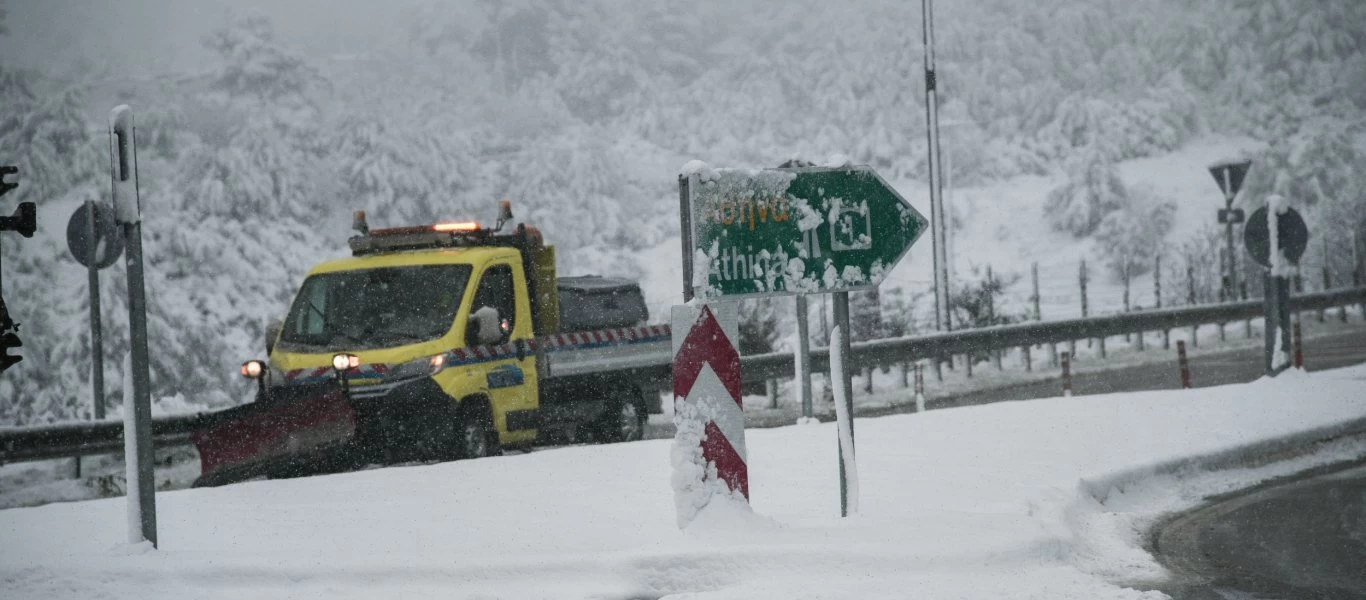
{"x": 785, "y": 231}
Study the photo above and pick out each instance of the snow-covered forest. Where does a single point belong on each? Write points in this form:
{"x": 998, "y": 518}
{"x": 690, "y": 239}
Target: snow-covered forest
{"x": 581, "y": 112}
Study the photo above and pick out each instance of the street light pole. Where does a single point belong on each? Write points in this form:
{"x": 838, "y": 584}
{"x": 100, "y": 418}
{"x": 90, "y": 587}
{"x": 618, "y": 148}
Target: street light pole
{"x": 937, "y": 217}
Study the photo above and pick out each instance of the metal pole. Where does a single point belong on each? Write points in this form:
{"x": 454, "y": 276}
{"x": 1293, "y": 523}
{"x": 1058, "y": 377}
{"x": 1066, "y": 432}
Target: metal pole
{"x": 127, "y": 207}
{"x": 1190, "y": 299}
{"x": 937, "y": 217}
{"x": 841, "y": 376}
{"x": 1228, "y": 235}
{"x": 1034, "y": 277}
{"x": 96, "y": 328}
{"x": 803, "y": 356}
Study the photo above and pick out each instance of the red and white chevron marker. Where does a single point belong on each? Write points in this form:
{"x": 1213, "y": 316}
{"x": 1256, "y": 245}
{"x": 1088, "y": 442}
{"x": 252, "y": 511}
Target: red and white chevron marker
{"x": 709, "y": 457}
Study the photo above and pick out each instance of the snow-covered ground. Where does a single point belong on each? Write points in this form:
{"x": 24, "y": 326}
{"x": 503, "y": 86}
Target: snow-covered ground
{"x": 984, "y": 502}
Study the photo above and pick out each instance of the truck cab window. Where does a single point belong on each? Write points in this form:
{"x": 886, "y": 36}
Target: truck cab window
{"x": 496, "y": 290}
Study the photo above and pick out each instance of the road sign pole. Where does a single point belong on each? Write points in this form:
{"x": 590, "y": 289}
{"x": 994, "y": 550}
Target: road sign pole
{"x": 937, "y": 217}
{"x": 1232, "y": 280}
{"x": 96, "y": 329}
{"x": 137, "y": 408}
{"x": 844, "y": 406}
{"x": 803, "y": 362}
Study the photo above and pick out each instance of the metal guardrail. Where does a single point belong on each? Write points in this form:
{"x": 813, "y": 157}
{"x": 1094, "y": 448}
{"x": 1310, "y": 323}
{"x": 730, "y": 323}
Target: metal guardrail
{"x": 88, "y": 437}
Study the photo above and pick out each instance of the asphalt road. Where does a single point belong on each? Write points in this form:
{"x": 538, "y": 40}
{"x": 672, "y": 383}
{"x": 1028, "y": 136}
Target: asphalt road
{"x": 1301, "y": 539}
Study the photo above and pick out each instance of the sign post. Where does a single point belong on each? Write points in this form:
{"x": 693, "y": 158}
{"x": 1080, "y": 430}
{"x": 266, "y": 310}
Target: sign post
{"x": 1276, "y": 244}
{"x": 805, "y": 230}
{"x": 137, "y": 407}
{"x": 94, "y": 238}
{"x": 1229, "y": 175}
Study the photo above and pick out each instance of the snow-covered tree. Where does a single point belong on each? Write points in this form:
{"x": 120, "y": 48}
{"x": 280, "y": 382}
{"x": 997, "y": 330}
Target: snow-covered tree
{"x": 1093, "y": 191}
{"x": 1129, "y": 239}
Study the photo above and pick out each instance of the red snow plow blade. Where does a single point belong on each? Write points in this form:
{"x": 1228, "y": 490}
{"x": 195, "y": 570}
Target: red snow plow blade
{"x": 285, "y": 434}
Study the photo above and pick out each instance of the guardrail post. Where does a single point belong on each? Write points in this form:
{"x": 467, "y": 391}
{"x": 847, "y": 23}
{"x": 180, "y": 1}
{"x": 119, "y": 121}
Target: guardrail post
{"x": 919, "y": 387}
{"x": 905, "y": 375}
{"x": 1066, "y": 374}
{"x": 1299, "y": 346}
{"x": 967, "y": 361}
{"x": 1185, "y": 365}
{"x": 1102, "y": 347}
{"x": 1028, "y": 360}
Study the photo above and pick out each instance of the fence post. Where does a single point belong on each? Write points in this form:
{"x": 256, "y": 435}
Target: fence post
{"x": 1157, "y": 299}
{"x": 905, "y": 375}
{"x": 1028, "y": 359}
{"x": 1102, "y": 347}
{"x": 1081, "y": 279}
{"x": 1185, "y": 366}
{"x": 771, "y": 389}
{"x": 1247, "y": 323}
{"x": 1190, "y": 299}
{"x": 1034, "y": 276}
{"x": 1126, "y": 293}
{"x": 1066, "y": 374}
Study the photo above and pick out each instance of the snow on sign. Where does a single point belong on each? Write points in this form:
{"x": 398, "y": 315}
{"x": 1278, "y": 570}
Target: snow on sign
{"x": 709, "y": 456}
{"x": 784, "y": 231}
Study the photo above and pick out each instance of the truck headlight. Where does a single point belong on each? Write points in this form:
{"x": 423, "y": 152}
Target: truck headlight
{"x": 422, "y": 367}
{"x": 345, "y": 362}
{"x": 253, "y": 369}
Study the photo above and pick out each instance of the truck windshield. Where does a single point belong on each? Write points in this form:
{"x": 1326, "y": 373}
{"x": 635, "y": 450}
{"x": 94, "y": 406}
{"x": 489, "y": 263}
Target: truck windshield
{"x": 375, "y": 308}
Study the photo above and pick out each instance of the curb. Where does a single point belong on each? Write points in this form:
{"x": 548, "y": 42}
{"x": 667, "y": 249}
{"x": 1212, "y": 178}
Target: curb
{"x": 1254, "y": 454}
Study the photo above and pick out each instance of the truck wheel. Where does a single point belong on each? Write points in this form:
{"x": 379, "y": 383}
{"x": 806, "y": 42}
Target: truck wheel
{"x": 624, "y": 421}
{"x": 475, "y": 437}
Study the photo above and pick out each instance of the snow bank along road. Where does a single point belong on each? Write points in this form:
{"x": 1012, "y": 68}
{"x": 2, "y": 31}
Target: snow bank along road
{"x": 993, "y": 501}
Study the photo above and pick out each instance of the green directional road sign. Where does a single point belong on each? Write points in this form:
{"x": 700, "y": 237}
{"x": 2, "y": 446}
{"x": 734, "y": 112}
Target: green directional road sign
{"x": 785, "y": 231}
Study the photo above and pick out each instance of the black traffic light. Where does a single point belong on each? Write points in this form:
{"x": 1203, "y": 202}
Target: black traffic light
{"x": 9, "y": 338}
{"x": 6, "y": 186}
{"x": 24, "y": 220}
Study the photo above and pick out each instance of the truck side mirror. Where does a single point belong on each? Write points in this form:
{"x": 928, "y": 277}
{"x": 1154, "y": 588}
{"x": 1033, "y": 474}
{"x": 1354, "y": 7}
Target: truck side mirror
{"x": 482, "y": 328}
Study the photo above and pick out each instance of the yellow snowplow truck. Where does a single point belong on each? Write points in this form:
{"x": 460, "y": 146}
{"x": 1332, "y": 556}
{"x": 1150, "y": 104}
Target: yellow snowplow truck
{"x": 436, "y": 342}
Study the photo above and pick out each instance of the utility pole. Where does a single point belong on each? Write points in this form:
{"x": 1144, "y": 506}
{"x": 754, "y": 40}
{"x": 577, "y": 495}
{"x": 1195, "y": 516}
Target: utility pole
{"x": 938, "y": 219}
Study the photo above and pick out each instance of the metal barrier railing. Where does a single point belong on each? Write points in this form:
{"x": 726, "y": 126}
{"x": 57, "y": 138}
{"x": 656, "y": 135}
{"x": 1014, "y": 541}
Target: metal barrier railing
{"x": 63, "y": 440}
